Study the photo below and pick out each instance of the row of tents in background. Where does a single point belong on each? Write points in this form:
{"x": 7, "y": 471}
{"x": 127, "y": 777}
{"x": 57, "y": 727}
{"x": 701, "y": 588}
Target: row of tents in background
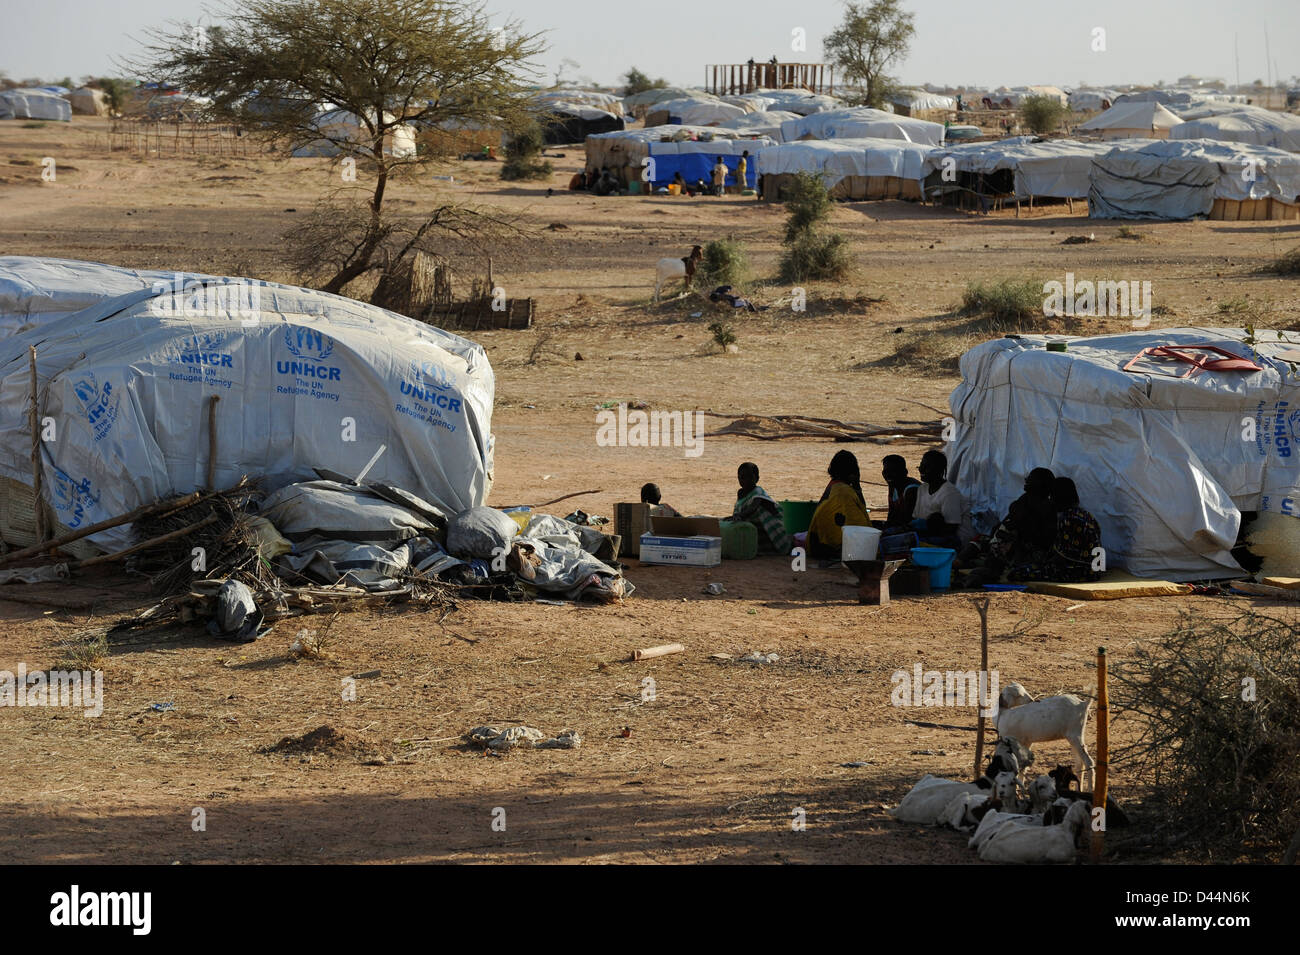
{"x": 1120, "y": 178}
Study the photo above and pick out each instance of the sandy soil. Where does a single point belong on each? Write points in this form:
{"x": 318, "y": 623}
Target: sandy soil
{"x": 716, "y": 765}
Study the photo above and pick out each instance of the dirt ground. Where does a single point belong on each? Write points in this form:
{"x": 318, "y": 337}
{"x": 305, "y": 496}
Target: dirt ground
{"x": 717, "y": 766}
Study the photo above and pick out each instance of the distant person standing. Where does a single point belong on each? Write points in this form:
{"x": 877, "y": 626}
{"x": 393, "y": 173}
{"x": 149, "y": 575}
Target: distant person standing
{"x": 719, "y": 177}
{"x": 742, "y": 170}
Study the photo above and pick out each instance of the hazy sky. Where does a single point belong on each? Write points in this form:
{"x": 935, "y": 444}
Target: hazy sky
{"x": 958, "y": 42}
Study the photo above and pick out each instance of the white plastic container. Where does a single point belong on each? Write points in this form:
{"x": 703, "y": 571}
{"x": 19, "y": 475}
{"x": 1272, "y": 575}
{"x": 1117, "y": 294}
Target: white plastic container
{"x": 859, "y": 543}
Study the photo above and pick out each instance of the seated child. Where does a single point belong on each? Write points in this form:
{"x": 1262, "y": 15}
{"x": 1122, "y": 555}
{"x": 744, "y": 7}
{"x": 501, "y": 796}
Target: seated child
{"x": 650, "y": 495}
{"x": 754, "y": 505}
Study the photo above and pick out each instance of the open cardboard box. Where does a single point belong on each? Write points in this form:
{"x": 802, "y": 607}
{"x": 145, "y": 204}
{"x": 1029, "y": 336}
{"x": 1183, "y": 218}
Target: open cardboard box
{"x": 682, "y": 541}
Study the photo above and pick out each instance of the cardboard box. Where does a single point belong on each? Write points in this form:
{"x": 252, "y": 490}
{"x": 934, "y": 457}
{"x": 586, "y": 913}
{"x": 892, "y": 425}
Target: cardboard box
{"x": 694, "y": 551}
{"x": 630, "y": 522}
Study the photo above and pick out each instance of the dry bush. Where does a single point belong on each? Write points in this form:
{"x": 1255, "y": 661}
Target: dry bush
{"x": 1217, "y": 708}
{"x": 1288, "y": 263}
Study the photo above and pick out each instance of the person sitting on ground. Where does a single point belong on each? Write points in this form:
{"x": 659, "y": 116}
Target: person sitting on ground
{"x": 1024, "y": 536}
{"x": 940, "y": 514}
{"x": 680, "y": 182}
{"x": 650, "y": 495}
{"x": 719, "y": 177}
{"x": 841, "y": 505}
{"x": 606, "y": 185}
{"x": 1077, "y": 536}
{"x": 755, "y": 505}
{"x": 902, "y": 493}
{"x": 578, "y": 182}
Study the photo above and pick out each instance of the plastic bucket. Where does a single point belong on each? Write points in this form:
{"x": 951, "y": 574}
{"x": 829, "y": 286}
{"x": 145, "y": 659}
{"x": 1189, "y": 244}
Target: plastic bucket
{"x": 797, "y": 515}
{"x": 859, "y": 543}
{"x": 938, "y": 560}
{"x": 674, "y": 189}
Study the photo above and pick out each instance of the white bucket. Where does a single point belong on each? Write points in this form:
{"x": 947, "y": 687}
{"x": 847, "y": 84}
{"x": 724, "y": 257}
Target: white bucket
{"x": 859, "y": 543}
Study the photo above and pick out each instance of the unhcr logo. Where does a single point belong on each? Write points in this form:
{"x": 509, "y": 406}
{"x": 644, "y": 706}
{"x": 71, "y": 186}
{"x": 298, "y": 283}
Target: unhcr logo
{"x": 311, "y": 348}
{"x": 429, "y": 382}
{"x": 72, "y": 498}
{"x": 1125, "y": 299}
{"x": 209, "y": 298}
{"x": 205, "y": 350}
{"x": 654, "y": 429}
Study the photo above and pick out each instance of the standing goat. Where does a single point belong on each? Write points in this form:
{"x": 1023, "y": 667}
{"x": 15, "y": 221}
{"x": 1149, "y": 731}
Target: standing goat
{"x": 668, "y": 269}
{"x": 1037, "y": 721}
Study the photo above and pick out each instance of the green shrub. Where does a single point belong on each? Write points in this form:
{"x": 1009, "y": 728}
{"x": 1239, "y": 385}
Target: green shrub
{"x": 724, "y": 263}
{"x": 816, "y": 255}
{"x": 1043, "y": 114}
{"x": 1005, "y": 302}
{"x": 808, "y": 204}
{"x": 522, "y": 155}
{"x": 722, "y": 334}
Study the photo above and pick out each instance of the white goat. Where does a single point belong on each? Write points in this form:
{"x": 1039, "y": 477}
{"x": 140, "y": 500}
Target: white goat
{"x": 1029, "y": 844}
{"x": 929, "y": 798}
{"x": 994, "y": 820}
{"x": 1042, "y": 793}
{"x": 1038, "y": 721}
{"x": 668, "y": 269}
{"x": 957, "y": 814}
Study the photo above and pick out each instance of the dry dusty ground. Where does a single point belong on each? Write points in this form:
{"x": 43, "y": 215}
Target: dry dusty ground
{"x": 714, "y": 767}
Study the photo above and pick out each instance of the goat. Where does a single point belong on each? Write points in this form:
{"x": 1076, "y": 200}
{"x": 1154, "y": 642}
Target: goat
{"x": 1042, "y": 793}
{"x": 994, "y": 820}
{"x": 668, "y": 269}
{"x": 960, "y": 813}
{"x": 1008, "y": 757}
{"x": 1115, "y": 815}
{"x": 929, "y": 798}
{"x": 1037, "y": 721}
{"x": 1037, "y": 844}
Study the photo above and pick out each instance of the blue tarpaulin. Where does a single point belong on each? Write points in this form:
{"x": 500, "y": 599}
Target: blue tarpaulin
{"x": 694, "y": 166}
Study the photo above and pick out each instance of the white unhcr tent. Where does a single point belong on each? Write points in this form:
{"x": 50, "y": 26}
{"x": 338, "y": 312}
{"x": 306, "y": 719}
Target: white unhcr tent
{"x": 692, "y": 112}
{"x": 766, "y": 123}
{"x": 339, "y": 128}
{"x": 128, "y": 379}
{"x": 1257, "y": 127}
{"x": 1159, "y": 460}
{"x": 1052, "y": 168}
{"x": 1184, "y": 179}
{"x": 803, "y": 102}
{"x": 37, "y": 291}
{"x": 862, "y": 123}
{"x": 1145, "y": 120}
{"x": 34, "y": 104}
{"x": 850, "y": 168}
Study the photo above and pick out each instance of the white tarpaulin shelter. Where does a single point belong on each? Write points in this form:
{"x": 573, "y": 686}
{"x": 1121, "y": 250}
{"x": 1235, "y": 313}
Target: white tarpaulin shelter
{"x": 1145, "y": 120}
{"x": 606, "y": 102}
{"x": 921, "y": 99}
{"x": 862, "y": 123}
{"x": 88, "y": 102}
{"x": 34, "y": 104}
{"x": 1057, "y": 168}
{"x": 765, "y": 123}
{"x": 339, "y": 128}
{"x": 802, "y": 102}
{"x": 37, "y": 291}
{"x": 1088, "y": 100}
{"x": 648, "y": 98}
{"x": 305, "y": 380}
{"x": 1181, "y": 178}
{"x": 1258, "y": 127}
{"x": 837, "y": 159}
{"x": 1159, "y": 460}
{"x": 695, "y": 112}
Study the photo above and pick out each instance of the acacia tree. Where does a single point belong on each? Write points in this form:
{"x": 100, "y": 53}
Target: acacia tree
{"x": 430, "y": 64}
{"x": 871, "y": 37}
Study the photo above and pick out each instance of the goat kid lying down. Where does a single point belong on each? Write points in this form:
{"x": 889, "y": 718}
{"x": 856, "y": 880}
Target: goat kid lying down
{"x": 1029, "y": 844}
{"x": 995, "y": 819}
{"x": 929, "y": 798}
{"x": 1063, "y": 775}
{"x": 963, "y": 812}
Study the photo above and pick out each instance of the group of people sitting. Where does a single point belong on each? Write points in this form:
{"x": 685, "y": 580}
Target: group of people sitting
{"x": 1046, "y": 534}
{"x": 605, "y": 183}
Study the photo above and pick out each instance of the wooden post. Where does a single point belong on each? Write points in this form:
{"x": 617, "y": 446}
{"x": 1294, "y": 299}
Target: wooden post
{"x": 34, "y": 422}
{"x": 982, "y": 608}
{"x": 1103, "y": 754}
{"x": 212, "y": 441}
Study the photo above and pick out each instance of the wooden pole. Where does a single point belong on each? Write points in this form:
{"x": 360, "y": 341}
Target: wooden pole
{"x": 982, "y": 608}
{"x": 38, "y": 480}
{"x": 212, "y": 440}
{"x": 77, "y": 535}
{"x": 1103, "y": 755}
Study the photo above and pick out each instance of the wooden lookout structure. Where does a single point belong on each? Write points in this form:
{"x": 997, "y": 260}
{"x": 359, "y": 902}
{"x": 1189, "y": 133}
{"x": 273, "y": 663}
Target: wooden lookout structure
{"x": 734, "y": 79}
